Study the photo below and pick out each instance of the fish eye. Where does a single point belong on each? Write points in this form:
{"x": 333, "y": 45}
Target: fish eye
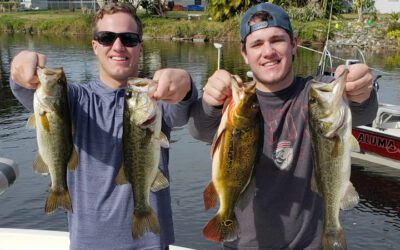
{"x": 128, "y": 94}
{"x": 255, "y": 106}
{"x": 312, "y": 100}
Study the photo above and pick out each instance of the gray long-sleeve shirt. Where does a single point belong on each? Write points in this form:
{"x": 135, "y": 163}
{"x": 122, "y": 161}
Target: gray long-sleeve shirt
{"x": 102, "y": 211}
{"x": 284, "y": 213}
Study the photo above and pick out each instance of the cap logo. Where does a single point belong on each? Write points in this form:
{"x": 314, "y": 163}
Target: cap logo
{"x": 257, "y": 26}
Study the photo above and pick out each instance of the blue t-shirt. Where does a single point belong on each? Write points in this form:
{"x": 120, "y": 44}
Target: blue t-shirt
{"x": 102, "y": 211}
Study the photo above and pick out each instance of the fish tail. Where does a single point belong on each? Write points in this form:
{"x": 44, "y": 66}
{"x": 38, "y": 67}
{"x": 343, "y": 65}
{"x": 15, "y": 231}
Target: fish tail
{"x": 219, "y": 229}
{"x": 56, "y": 199}
{"x": 334, "y": 239}
{"x": 144, "y": 222}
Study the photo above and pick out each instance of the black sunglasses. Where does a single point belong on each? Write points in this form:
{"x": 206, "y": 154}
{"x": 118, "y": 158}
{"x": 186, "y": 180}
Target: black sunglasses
{"x": 107, "y": 38}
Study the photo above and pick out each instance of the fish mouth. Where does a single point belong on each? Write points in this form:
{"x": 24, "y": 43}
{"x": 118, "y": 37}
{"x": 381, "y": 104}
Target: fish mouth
{"x": 148, "y": 122}
{"x": 337, "y": 126}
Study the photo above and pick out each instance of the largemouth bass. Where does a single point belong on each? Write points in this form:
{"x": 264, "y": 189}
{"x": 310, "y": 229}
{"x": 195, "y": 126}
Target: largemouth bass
{"x": 52, "y": 120}
{"x": 233, "y": 153}
{"x": 332, "y": 143}
{"x": 142, "y": 139}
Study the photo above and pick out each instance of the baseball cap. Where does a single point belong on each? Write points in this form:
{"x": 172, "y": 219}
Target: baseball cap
{"x": 279, "y": 18}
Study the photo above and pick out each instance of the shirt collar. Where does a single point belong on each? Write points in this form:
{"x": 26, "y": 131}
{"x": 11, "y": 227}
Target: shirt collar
{"x": 102, "y": 88}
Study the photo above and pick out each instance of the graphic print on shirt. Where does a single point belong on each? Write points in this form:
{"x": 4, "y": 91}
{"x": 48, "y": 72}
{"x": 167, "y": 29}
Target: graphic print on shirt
{"x": 282, "y": 133}
{"x": 283, "y": 154}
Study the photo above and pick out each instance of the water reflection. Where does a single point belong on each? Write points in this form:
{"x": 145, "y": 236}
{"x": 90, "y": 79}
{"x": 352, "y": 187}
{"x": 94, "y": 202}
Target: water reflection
{"x": 379, "y": 193}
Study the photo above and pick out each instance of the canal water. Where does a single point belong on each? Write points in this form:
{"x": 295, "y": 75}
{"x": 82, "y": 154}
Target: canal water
{"x": 373, "y": 224}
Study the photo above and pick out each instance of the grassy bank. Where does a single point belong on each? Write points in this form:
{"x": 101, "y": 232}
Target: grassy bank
{"x": 176, "y": 24}
{"x": 49, "y": 22}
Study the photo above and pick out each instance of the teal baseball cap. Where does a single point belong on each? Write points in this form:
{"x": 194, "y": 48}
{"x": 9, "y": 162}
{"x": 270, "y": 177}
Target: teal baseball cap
{"x": 278, "y": 18}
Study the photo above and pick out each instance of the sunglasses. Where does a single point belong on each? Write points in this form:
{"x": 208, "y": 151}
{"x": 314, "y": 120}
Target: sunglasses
{"x": 107, "y": 38}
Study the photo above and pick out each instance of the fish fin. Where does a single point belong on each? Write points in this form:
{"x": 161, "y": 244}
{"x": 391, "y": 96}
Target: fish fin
{"x": 354, "y": 145}
{"x": 219, "y": 134}
{"x": 226, "y": 104}
{"x": 334, "y": 239}
{"x": 31, "y": 123}
{"x": 73, "y": 160}
{"x": 350, "y": 199}
{"x": 159, "y": 183}
{"x": 314, "y": 185}
{"x": 56, "y": 199}
{"x": 247, "y": 195}
{"x": 121, "y": 177}
{"x": 39, "y": 166}
{"x": 213, "y": 146}
{"x": 164, "y": 143}
{"x": 210, "y": 196}
{"x": 218, "y": 229}
{"x": 217, "y": 140}
{"x": 45, "y": 122}
{"x": 144, "y": 222}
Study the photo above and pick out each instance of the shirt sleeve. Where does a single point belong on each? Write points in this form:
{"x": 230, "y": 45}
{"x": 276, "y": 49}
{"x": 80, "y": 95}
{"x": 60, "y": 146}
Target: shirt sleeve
{"x": 204, "y": 120}
{"x": 23, "y": 95}
{"x": 365, "y": 112}
{"x": 177, "y": 115}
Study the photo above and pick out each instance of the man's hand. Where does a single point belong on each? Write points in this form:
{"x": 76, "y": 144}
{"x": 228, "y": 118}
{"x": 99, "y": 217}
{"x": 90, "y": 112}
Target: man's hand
{"x": 173, "y": 85}
{"x": 23, "y": 68}
{"x": 358, "y": 82}
{"x": 218, "y": 88}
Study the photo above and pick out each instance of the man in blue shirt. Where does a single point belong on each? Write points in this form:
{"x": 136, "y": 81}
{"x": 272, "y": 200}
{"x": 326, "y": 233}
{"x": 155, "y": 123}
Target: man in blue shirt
{"x": 102, "y": 211}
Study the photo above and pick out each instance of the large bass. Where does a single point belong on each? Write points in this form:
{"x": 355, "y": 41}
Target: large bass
{"x": 52, "y": 120}
{"x": 142, "y": 139}
{"x": 332, "y": 142}
{"x": 233, "y": 153}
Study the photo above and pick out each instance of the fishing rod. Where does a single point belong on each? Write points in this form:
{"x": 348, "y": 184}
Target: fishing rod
{"x": 218, "y": 46}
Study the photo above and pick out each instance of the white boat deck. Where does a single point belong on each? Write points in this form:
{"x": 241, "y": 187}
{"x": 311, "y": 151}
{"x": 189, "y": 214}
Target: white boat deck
{"x": 24, "y": 239}
{"x": 360, "y": 158}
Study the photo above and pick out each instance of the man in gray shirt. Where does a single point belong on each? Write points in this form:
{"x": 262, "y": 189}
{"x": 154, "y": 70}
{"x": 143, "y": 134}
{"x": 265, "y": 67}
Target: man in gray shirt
{"x": 102, "y": 211}
{"x": 284, "y": 213}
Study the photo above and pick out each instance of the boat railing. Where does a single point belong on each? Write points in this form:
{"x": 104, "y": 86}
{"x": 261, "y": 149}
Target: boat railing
{"x": 388, "y": 117}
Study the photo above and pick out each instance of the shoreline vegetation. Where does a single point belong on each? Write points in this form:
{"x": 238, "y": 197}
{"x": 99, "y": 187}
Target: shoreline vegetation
{"x": 198, "y": 28}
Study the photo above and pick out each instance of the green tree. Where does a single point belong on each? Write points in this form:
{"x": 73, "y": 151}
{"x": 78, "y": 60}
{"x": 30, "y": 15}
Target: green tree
{"x": 220, "y": 10}
{"x": 364, "y": 6}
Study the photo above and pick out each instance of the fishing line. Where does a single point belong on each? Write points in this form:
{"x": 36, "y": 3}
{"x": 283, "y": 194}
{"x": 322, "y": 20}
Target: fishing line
{"x": 329, "y": 25}
{"x": 326, "y": 54}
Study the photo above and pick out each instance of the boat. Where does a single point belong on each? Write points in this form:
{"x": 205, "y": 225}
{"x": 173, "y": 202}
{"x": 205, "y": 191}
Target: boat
{"x": 380, "y": 141}
{"x": 32, "y": 239}
{"x": 9, "y": 172}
